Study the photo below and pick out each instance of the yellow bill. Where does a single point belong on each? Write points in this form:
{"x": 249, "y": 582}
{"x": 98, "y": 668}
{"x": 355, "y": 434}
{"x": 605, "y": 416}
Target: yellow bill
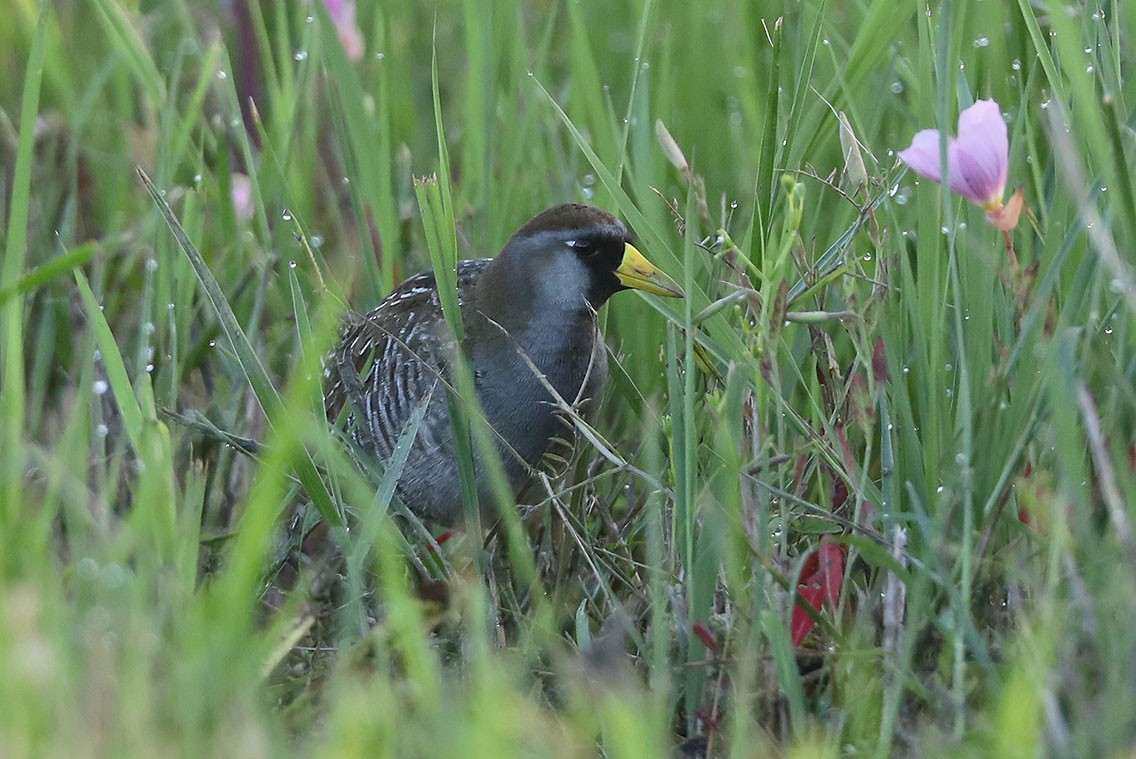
{"x": 636, "y": 272}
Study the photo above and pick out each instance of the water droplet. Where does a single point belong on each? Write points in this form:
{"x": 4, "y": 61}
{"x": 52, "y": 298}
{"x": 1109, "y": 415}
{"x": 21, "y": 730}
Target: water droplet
{"x": 170, "y": 306}
{"x": 222, "y": 75}
{"x": 212, "y": 343}
{"x": 733, "y": 205}
{"x": 1016, "y": 65}
{"x": 101, "y": 430}
{"x": 309, "y": 19}
{"x": 949, "y": 368}
{"x": 151, "y": 264}
{"x": 287, "y": 215}
{"x": 292, "y": 264}
{"x": 148, "y": 328}
{"x": 316, "y": 241}
{"x": 907, "y": 370}
{"x": 825, "y": 42}
{"x": 982, "y": 41}
{"x": 149, "y": 368}
{"x": 197, "y": 179}
{"x": 99, "y": 387}
{"x": 300, "y": 55}
{"x": 867, "y": 256}
{"x": 345, "y": 181}
{"x": 897, "y": 87}
{"x": 380, "y": 55}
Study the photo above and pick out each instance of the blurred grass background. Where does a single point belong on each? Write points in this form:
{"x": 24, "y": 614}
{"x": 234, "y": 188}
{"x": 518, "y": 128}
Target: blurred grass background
{"x": 856, "y": 361}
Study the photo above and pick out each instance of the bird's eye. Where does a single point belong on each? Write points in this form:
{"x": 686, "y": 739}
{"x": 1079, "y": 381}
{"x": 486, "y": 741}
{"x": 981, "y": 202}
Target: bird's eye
{"x": 580, "y": 246}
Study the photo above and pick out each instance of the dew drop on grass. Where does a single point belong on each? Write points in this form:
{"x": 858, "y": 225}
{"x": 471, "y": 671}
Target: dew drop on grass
{"x": 380, "y": 55}
{"x": 316, "y": 241}
{"x": 287, "y": 215}
{"x": 87, "y": 568}
{"x": 309, "y": 19}
{"x": 222, "y": 75}
{"x": 982, "y": 41}
{"x": 99, "y": 387}
{"x": 292, "y": 264}
{"x": 1016, "y": 65}
{"x": 897, "y": 87}
{"x": 300, "y": 55}
{"x": 151, "y": 264}
{"x": 212, "y": 343}
{"x": 101, "y": 430}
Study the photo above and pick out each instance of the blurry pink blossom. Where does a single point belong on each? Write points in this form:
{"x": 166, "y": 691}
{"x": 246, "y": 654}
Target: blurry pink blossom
{"x": 240, "y": 189}
{"x": 977, "y": 162}
{"x": 342, "y": 14}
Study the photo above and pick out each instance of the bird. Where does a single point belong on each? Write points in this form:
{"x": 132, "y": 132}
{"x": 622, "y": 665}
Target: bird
{"x": 530, "y": 323}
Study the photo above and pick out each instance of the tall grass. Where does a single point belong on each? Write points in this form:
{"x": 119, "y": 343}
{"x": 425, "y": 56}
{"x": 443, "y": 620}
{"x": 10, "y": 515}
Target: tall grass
{"x": 854, "y": 364}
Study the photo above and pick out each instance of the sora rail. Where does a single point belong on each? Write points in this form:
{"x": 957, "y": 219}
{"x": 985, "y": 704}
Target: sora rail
{"x": 537, "y": 299}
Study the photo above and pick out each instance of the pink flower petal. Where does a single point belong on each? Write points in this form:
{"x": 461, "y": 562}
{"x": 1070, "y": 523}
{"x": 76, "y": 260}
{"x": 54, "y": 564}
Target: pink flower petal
{"x": 923, "y": 155}
{"x": 978, "y": 163}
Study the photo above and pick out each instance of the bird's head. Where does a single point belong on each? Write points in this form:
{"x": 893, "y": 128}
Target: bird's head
{"x": 574, "y": 256}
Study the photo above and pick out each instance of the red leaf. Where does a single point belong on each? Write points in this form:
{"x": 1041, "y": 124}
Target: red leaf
{"x": 830, "y": 559}
{"x": 802, "y": 622}
{"x": 822, "y": 577}
{"x": 707, "y": 637}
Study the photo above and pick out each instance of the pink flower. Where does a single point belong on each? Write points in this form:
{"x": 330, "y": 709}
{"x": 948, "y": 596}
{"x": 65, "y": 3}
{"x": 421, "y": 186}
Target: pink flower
{"x": 240, "y": 188}
{"x": 977, "y": 162}
{"x": 342, "y": 14}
